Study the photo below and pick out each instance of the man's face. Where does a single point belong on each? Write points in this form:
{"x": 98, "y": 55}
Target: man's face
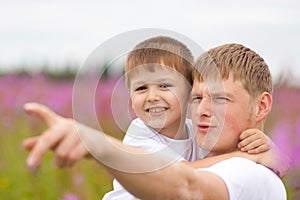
{"x": 220, "y": 112}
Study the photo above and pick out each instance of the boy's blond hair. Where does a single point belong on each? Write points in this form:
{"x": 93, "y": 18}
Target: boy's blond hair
{"x": 158, "y": 51}
{"x": 238, "y": 61}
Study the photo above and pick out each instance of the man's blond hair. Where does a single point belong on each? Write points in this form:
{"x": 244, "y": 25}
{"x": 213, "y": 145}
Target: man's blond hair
{"x": 238, "y": 61}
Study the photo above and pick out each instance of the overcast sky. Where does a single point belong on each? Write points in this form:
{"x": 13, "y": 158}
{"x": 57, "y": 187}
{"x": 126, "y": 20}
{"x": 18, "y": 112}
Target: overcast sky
{"x": 35, "y": 33}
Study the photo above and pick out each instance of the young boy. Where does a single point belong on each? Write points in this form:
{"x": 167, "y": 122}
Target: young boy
{"x": 158, "y": 75}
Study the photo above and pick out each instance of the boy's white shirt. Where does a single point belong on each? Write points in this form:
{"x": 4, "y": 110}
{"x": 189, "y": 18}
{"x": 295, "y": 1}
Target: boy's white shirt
{"x": 142, "y": 136}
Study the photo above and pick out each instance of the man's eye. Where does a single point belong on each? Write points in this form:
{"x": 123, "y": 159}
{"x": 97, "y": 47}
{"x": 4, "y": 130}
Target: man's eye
{"x": 196, "y": 99}
{"x": 140, "y": 88}
{"x": 221, "y": 99}
{"x": 165, "y": 85}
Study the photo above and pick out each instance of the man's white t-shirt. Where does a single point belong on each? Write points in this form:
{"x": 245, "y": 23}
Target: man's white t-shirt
{"x": 247, "y": 180}
{"x": 142, "y": 136}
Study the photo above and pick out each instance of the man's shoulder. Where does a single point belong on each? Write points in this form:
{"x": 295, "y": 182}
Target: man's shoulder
{"x": 246, "y": 179}
{"x": 242, "y": 165}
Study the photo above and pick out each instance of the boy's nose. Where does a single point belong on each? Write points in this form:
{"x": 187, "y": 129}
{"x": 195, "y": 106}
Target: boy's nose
{"x": 152, "y": 95}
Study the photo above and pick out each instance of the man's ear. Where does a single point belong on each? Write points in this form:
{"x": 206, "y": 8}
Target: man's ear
{"x": 264, "y": 106}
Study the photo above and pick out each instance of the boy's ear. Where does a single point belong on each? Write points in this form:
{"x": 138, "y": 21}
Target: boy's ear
{"x": 130, "y": 103}
{"x": 264, "y": 106}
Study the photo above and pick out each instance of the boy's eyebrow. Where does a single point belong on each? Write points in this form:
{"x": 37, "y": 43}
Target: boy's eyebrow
{"x": 135, "y": 83}
{"x": 138, "y": 82}
{"x": 157, "y": 80}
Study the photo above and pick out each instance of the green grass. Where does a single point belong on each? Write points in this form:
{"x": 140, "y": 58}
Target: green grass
{"x": 86, "y": 180}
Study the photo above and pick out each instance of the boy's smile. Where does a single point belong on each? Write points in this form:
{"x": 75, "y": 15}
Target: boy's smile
{"x": 159, "y": 98}
{"x": 156, "y": 111}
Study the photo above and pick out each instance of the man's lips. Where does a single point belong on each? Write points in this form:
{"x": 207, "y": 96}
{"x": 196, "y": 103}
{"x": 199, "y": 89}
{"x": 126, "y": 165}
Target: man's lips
{"x": 204, "y": 127}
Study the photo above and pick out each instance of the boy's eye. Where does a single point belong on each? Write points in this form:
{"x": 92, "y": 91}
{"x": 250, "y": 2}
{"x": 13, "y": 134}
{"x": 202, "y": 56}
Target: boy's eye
{"x": 140, "y": 88}
{"x": 165, "y": 85}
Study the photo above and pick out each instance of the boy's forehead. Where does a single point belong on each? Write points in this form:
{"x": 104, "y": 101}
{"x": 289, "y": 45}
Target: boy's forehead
{"x": 159, "y": 73}
{"x": 157, "y": 76}
{"x": 150, "y": 68}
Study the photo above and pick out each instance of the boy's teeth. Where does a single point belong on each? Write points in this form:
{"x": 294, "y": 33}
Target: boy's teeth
{"x": 156, "y": 110}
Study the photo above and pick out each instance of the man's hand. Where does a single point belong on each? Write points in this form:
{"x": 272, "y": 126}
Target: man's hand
{"x": 61, "y": 137}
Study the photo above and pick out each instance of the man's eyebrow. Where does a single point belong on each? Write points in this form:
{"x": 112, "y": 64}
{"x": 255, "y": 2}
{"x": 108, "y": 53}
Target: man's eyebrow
{"x": 222, "y": 93}
{"x": 213, "y": 94}
{"x": 218, "y": 93}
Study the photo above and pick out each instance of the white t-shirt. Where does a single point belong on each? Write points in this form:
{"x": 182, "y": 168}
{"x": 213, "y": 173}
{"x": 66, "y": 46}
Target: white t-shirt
{"x": 142, "y": 136}
{"x": 246, "y": 180}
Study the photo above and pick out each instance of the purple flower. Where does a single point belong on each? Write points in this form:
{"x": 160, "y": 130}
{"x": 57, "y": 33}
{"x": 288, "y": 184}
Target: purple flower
{"x": 70, "y": 196}
{"x": 78, "y": 179}
{"x": 286, "y": 137}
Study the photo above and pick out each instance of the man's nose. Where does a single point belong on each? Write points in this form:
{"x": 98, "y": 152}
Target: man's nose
{"x": 204, "y": 107}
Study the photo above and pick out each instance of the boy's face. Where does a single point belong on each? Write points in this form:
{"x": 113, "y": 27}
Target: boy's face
{"x": 220, "y": 112}
{"x": 160, "y": 98}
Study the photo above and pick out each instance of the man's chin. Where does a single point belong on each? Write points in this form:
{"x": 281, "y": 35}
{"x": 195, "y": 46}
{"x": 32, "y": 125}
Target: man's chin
{"x": 206, "y": 145}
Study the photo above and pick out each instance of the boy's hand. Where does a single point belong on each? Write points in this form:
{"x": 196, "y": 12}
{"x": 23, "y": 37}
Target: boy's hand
{"x": 275, "y": 160}
{"x": 254, "y": 141}
{"x": 61, "y": 137}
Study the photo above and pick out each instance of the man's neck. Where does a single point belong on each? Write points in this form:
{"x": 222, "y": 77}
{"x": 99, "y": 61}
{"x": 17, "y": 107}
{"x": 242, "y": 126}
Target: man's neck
{"x": 217, "y": 153}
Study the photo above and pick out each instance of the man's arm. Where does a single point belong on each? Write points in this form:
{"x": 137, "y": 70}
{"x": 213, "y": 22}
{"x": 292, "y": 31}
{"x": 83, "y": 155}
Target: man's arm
{"x": 176, "y": 181}
{"x": 60, "y": 136}
{"x": 272, "y": 159}
{"x": 145, "y": 176}
{"x": 209, "y": 161}
{"x": 149, "y": 176}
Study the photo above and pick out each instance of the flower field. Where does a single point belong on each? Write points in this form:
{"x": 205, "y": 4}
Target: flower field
{"x": 87, "y": 179}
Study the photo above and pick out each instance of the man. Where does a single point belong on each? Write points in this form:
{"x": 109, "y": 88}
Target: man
{"x": 231, "y": 93}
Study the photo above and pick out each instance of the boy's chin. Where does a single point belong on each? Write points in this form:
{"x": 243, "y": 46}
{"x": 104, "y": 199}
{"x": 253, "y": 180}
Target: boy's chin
{"x": 157, "y": 127}
{"x": 157, "y": 123}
